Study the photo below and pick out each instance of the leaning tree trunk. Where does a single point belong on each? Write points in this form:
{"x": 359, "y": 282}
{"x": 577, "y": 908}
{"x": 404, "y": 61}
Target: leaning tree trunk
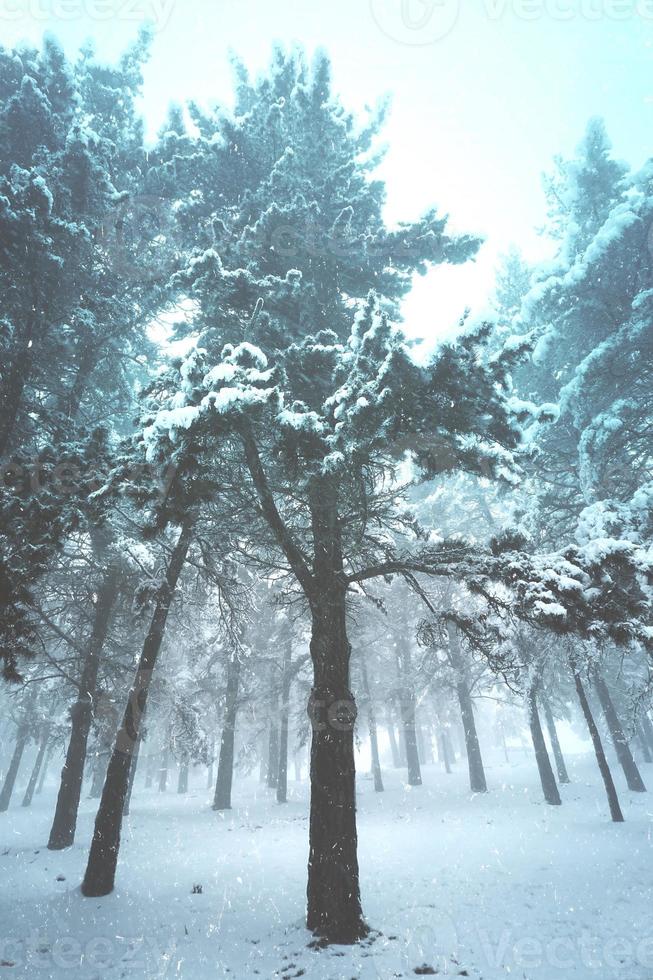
{"x": 407, "y": 707}
{"x": 611, "y": 792}
{"x": 619, "y": 740}
{"x": 286, "y": 679}
{"x": 62, "y": 833}
{"x": 549, "y": 785}
{"x": 371, "y": 722}
{"x": 22, "y": 738}
{"x": 103, "y": 857}
{"x": 224, "y": 779}
{"x": 40, "y": 756}
{"x": 477, "y": 780}
{"x": 563, "y": 775}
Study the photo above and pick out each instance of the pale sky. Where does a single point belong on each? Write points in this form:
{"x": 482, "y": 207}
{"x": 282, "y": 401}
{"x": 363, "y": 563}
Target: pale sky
{"x": 485, "y": 92}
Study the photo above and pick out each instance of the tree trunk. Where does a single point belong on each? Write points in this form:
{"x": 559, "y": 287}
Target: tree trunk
{"x": 16, "y": 379}
{"x": 222, "y": 798}
{"x": 407, "y": 707}
{"x": 132, "y": 775}
{"x": 273, "y": 741}
{"x": 477, "y": 780}
{"x": 648, "y": 729}
{"x": 563, "y": 775}
{"x": 182, "y": 778}
{"x": 286, "y": 679}
{"x": 163, "y": 768}
{"x": 44, "y": 768}
{"x": 103, "y": 857}
{"x": 549, "y": 785}
{"x": 40, "y": 755}
{"x": 62, "y": 833}
{"x": 100, "y": 763}
{"x": 611, "y": 792}
{"x": 22, "y": 737}
{"x": 209, "y": 768}
{"x": 371, "y": 722}
{"x": 619, "y": 740}
{"x": 390, "y": 728}
{"x": 443, "y": 747}
{"x": 643, "y": 742}
{"x": 334, "y": 907}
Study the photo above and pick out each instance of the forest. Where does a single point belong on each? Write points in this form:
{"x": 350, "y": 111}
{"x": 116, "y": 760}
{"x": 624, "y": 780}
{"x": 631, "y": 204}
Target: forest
{"x": 265, "y": 562}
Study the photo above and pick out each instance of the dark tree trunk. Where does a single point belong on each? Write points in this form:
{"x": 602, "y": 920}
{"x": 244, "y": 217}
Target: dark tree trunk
{"x": 407, "y": 708}
{"x": 36, "y": 769}
{"x": 333, "y": 894}
{"x": 182, "y": 777}
{"x": 15, "y": 381}
{"x": 563, "y": 775}
{"x": 22, "y": 737}
{"x": 611, "y": 792}
{"x": 477, "y": 780}
{"x": 62, "y": 833}
{"x": 103, "y": 857}
{"x": 224, "y": 780}
{"x": 390, "y": 728}
{"x": 619, "y": 740}
{"x": 282, "y": 779}
{"x": 548, "y": 780}
{"x": 371, "y": 722}
{"x": 44, "y": 768}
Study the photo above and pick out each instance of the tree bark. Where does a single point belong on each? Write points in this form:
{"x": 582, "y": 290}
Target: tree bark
{"x": 62, "y": 833}
{"x": 224, "y": 780}
{"x": 611, "y": 792}
{"x": 643, "y": 742}
{"x": 182, "y": 777}
{"x": 44, "y": 768}
{"x": 286, "y": 679}
{"x": 132, "y": 775}
{"x": 371, "y": 722}
{"x": 407, "y": 708}
{"x": 563, "y": 775}
{"x": 272, "y": 776}
{"x": 443, "y": 747}
{"x": 648, "y": 729}
{"x": 390, "y": 728}
{"x": 103, "y": 857}
{"x": 619, "y": 740}
{"x": 36, "y": 769}
{"x": 22, "y": 737}
{"x": 477, "y": 779}
{"x": 549, "y": 785}
{"x": 163, "y": 768}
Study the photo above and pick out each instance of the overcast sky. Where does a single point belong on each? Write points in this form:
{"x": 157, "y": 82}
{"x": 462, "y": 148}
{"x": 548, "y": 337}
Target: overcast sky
{"x": 485, "y": 92}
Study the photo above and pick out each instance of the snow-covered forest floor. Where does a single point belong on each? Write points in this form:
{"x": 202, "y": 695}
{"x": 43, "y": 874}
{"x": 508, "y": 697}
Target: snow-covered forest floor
{"x": 481, "y": 886}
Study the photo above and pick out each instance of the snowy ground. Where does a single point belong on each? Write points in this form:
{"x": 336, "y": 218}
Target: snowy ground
{"x": 494, "y": 886}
